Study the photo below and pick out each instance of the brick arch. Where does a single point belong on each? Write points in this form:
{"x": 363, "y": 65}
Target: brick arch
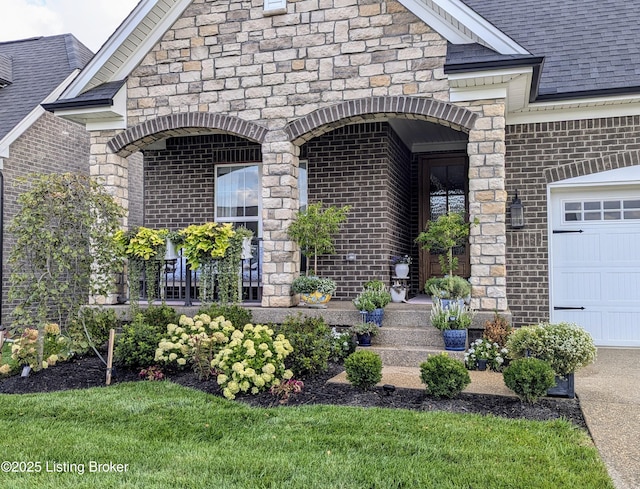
{"x": 183, "y": 124}
{"x": 329, "y": 118}
{"x": 596, "y": 165}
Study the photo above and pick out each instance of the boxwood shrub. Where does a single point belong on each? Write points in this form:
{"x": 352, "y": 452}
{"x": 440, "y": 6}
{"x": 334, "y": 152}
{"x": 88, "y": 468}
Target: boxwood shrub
{"x": 364, "y": 369}
{"x": 444, "y": 376}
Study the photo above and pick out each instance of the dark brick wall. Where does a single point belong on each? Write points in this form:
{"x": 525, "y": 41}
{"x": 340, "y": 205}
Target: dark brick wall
{"x": 136, "y": 189}
{"x": 50, "y": 145}
{"x": 179, "y": 180}
{"x": 361, "y": 165}
{"x": 530, "y": 150}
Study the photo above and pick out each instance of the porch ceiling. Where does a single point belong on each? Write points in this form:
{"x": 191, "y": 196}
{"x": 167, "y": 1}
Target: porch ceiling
{"x": 424, "y": 136}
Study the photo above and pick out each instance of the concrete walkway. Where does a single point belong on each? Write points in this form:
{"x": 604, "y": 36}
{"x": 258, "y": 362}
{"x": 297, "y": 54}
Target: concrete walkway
{"x": 609, "y": 394}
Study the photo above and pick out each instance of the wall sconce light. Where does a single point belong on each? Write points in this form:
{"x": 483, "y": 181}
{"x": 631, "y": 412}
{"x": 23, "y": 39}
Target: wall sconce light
{"x": 350, "y": 257}
{"x": 517, "y": 213}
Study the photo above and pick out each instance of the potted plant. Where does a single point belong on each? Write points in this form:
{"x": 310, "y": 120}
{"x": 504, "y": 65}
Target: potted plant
{"x": 372, "y": 301}
{"x": 484, "y": 353}
{"x": 364, "y": 332}
{"x": 315, "y": 291}
{"x": 453, "y": 321}
{"x": 313, "y": 230}
{"x": 398, "y": 292}
{"x": 566, "y": 347}
{"x": 449, "y": 289}
{"x": 401, "y": 264}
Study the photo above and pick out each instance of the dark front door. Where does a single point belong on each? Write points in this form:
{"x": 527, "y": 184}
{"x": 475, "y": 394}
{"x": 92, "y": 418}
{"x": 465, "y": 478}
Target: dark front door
{"x": 444, "y": 186}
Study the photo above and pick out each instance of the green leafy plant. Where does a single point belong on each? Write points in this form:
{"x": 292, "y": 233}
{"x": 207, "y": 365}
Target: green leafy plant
{"x": 310, "y": 338}
{"x": 136, "y": 346}
{"x": 229, "y": 267}
{"x": 252, "y": 360}
{"x": 566, "y": 347}
{"x": 365, "y": 328}
{"x": 442, "y": 236}
{"x": 160, "y": 316}
{"x": 308, "y": 284}
{"x": 454, "y": 316}
{"x": 444, "y": 376}
{"x": 364, "y": 369}
{"x": 483, "y": 349}
{"x": 449, "y": 287}
{"x": 51, "y": 346}
{"x": 529, "y": 378}
{"x": 236, "y": 314}
{"x": 313, "y": 229}
{"x": 91, "y": 328}
{"x": 342, "y": 345}
{"x": 64, "y": 248}
{"x": 379, "y": 293}
{"x": 205, "y": 242}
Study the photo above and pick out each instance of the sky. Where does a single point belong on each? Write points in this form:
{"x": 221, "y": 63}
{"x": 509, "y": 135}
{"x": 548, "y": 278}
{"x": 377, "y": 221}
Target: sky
{"x": 91, "y": 21}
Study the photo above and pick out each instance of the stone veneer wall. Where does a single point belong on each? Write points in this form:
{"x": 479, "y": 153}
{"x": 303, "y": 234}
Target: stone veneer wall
{"x": 179, "y": 180}
{"x": 575, "y": 148}
{"x": 50, "y": 145}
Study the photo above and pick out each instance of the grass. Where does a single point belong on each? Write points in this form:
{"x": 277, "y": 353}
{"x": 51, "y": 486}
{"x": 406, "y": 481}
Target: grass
{"x": 174, "y": 437}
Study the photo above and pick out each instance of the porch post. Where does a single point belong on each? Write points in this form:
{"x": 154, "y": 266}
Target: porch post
{"x": 280, "y": 202}
{"x": 487, "y": 204}
{"x": 112, "y": 171}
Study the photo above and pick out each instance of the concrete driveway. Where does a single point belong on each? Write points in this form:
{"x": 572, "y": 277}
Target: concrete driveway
{"x": 609, "y": 393}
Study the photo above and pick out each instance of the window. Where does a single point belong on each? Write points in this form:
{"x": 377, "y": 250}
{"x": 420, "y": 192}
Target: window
{"x": 303, "y": 185}
{"x": 602, "y": 210}
{"x": 237, "y": 196}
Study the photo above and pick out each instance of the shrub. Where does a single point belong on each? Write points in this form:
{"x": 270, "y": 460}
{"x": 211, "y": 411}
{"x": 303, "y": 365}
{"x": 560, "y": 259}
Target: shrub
{"x": 252, "y": 360}
{"x": 55, "y": 347}
{"x": 529, "y": 378}
{"x": 497, "y": 330}
{"x": 137, "y": 345}
{"x": 484, "y": 349}
{"x": 364, "y": 369}
{"x": 342, "y": 345}
{"x": 310, "y": 338}
{"x": 98, "y": 323}
{"x": 444, "y": 376}
{"x": 566, "y": 347}
{"x": 160, "y": 316}
{"x": 237, "y": 315}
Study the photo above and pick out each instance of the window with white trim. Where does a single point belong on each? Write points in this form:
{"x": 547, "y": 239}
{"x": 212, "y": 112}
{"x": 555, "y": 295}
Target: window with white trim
{"x": 237, "y": 196}
{"x": 602, "y": 210}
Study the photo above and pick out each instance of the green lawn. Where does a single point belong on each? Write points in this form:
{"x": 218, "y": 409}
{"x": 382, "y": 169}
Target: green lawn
{"x": 174, "y": 437}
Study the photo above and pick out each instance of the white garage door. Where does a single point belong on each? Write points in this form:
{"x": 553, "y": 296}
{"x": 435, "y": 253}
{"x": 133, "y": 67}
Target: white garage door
{"x": 595, "y": 261}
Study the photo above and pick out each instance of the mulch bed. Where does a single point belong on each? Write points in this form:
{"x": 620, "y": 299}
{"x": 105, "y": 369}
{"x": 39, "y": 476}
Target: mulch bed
{"x": 90, "y": 372}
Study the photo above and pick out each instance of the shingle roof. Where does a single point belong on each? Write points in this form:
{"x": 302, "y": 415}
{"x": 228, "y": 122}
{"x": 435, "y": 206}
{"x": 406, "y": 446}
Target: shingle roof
{"x": 39, "y": 65}
{"x": 100, "y": 95}
{"x": 588, "y": 45}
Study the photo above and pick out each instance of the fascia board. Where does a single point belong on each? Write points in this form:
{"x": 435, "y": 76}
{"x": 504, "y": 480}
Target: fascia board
{"x": 112, "y": 116}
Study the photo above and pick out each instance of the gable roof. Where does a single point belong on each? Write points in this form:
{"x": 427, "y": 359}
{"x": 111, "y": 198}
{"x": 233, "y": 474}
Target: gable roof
{"x": 38, "y": 66}
{"x": 589, "y": 46}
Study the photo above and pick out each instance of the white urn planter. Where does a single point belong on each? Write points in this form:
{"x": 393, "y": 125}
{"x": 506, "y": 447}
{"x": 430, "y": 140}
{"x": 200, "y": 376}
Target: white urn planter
{"x": 402, "y": 270}
{"x": 398, "y": 293}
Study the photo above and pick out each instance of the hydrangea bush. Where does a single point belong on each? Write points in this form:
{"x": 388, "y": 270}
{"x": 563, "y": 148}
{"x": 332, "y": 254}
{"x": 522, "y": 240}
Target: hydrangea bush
{"x": 483, "y": 349}
{"x": 55, "y": 347}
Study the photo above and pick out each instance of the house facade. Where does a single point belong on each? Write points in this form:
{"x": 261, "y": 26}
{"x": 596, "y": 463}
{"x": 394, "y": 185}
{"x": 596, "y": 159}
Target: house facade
{"x": 242, "y": 111}
{"x": 35, "y": 71}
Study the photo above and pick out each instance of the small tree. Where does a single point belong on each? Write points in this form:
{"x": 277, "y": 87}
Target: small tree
{"x": 442, "y": 236}
{"x": 314, "y": 227}
{"x": 64, "y": 248}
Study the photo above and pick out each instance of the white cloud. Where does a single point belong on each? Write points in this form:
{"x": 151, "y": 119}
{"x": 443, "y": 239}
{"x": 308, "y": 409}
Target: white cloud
{"x": 91, "y": 21}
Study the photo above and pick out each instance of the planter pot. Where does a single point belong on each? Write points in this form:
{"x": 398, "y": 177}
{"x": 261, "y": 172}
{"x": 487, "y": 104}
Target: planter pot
{"x": 398, "y": 294}
{"x": 316, "y": 299}
{"x": 374, "y": 317}
{"x": 482, "y": 364}
{"x": 455, "y": 339}
{"x": 364, "y": 339}
{"x": 565, "y": 387}
{"x": 446, "y": 303}
{"x": 402, "y": 270}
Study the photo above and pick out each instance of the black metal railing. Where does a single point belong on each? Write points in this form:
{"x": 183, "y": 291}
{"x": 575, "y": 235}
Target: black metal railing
{"x": 179, "y": 283}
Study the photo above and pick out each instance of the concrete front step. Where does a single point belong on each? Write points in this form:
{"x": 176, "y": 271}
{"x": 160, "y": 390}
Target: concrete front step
{"x": 408, "y": 356}
{"x": 419, "y": 336}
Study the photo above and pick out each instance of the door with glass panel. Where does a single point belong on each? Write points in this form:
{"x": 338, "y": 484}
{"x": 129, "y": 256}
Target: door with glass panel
{"x": 444, "y": 186}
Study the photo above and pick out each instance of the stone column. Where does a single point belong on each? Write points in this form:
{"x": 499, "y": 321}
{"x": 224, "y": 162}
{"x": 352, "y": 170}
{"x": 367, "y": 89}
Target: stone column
{"x": 112, "y": 171}
{"x": 487, "y": 205}
{"x": 280, "y": 202}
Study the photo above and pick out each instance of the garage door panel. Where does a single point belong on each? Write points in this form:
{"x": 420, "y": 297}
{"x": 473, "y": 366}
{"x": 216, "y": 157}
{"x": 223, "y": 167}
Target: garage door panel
{"x": 595, "y": 262}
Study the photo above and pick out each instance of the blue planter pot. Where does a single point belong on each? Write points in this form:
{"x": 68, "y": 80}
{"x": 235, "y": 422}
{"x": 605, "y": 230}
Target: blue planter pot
{"x": 374, "y": 317}
{"x": 364, "y": 339}
{"x": 455, "y": 339}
